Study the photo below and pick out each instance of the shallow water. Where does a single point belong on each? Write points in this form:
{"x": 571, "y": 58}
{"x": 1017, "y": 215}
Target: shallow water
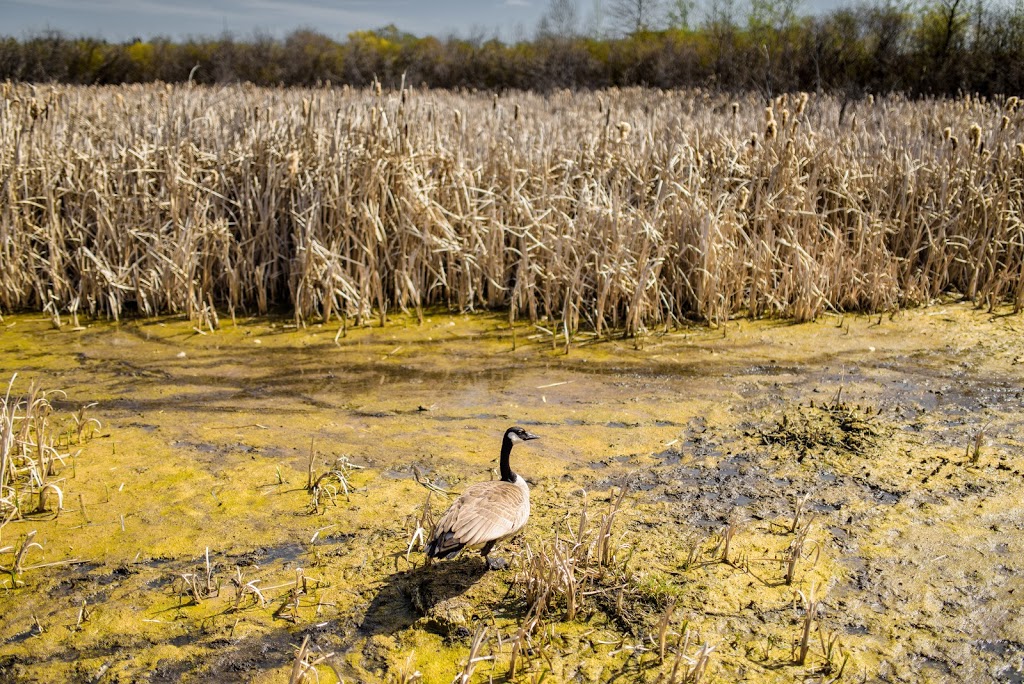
{"x": 205, "y": 442}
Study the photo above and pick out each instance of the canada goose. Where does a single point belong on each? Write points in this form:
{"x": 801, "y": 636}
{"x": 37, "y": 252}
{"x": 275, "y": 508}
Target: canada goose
{"x": 486, "y": 512}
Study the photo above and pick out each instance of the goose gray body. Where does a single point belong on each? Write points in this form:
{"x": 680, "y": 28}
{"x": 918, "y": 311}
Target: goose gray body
{"x": 487, "y": 511}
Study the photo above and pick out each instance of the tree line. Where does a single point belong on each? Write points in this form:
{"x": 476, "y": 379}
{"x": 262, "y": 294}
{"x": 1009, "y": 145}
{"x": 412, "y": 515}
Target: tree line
{"x": 940, "y": 47}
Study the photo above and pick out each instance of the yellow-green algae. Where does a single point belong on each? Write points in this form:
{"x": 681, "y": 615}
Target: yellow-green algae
{"x": 915, "y": 547}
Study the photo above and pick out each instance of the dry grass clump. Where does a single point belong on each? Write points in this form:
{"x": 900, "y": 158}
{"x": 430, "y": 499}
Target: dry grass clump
{"x": 330, "y": 484}
{"x": 588, "y": 561}
{"x": 37, "y": 447}
{"x": 585, "y": 571}
{"x": 623, "y": 209}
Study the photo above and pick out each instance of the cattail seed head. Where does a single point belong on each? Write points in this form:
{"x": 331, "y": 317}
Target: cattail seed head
{"x": 974, "y": 135}
{"x": 1005, "y": 123}
{"x": 947, "y": 132}
{"x": 735, "y": 109}
{"x": 802, "y": 103}
{"x": 515, "y": 112}
{"x": 769, "y": 115}
{"x": 624, "y": 130}
{"x": 954, "y": 142}
{"x": 770, "y": 130}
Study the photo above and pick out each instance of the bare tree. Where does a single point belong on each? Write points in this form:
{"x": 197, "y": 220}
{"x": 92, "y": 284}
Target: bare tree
{"x": 634, "y": 16}
{"x": 561, "y": 19}
{"x": 679, "y": 14}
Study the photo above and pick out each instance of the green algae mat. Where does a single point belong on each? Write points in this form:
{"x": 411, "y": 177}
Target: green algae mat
{"x": 762, "y": 502}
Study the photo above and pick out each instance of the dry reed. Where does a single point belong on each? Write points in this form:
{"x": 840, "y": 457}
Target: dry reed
{"x": 36, "y": 445}
{"x": 339, "y": 203}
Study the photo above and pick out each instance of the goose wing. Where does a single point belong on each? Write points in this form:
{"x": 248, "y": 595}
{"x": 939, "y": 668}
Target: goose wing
{"x": 485, "y": 512}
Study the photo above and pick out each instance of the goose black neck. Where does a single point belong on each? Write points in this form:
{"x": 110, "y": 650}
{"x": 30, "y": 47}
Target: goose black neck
{"x": 506, "y": 470}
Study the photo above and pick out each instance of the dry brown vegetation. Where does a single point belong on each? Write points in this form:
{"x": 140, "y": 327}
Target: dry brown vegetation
{"x": 37, "y": 450}
{"x": 618, "y": 209}
{"x": 37, "y": 447}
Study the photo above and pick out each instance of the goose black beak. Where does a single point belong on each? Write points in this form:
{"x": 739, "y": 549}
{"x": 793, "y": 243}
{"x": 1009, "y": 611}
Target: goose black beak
{"x": 530, "y": 435}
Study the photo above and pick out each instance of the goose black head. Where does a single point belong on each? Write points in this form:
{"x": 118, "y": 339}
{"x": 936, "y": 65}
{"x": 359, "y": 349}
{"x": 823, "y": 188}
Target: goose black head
{"x": 518, "y": 434}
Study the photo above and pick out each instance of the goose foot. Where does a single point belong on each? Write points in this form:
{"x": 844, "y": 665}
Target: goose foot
{"x": 495, "y": 563}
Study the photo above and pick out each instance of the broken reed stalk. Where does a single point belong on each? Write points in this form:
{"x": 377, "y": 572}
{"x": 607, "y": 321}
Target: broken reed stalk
{"x": 298, "y": 673}
{"x": 687, "y": 669}
{"x": 304, "y": 663}
{"x": 309, "y": 469}
{"x": 243, "y": 588}
{"x": 794, "y": 552}
{"x": 267, "y": 200}
{"x": 810, "y": 615}
{"x": 700, "y": 663}
{"x": 422, "y": 524}
{"x": 799, "y": 506}
{"x": 474, "y": 657}
{"x": 682, "y": 645}
{"x": 663, "y": 624}
{"x": 973, "y": 453}
{"x": 27, "y": 544}
{"x": 605, "y": 548}
{"x": 727, "y": 535}
{"x": 526, "y": 628}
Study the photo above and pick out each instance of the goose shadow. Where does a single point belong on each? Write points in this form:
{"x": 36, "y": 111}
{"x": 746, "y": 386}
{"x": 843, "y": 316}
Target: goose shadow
{"x": 432, "y": 592}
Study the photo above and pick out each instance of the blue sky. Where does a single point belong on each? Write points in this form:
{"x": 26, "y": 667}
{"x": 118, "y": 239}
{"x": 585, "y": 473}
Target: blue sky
{"x": 119, "y": 20}
{"x": 125, "y": 19}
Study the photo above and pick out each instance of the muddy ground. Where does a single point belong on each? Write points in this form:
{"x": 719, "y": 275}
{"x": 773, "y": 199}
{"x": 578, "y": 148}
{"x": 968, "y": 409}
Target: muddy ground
{"x": 900, "y": 438}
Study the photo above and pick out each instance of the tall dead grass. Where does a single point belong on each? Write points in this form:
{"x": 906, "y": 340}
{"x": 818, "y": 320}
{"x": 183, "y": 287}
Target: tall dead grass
{"x": 620, "y": 209}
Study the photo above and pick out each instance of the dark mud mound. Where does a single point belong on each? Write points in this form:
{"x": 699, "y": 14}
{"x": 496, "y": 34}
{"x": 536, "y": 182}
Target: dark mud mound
{"x": 441, "y": 595}
{"x": 836, "y": 425}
